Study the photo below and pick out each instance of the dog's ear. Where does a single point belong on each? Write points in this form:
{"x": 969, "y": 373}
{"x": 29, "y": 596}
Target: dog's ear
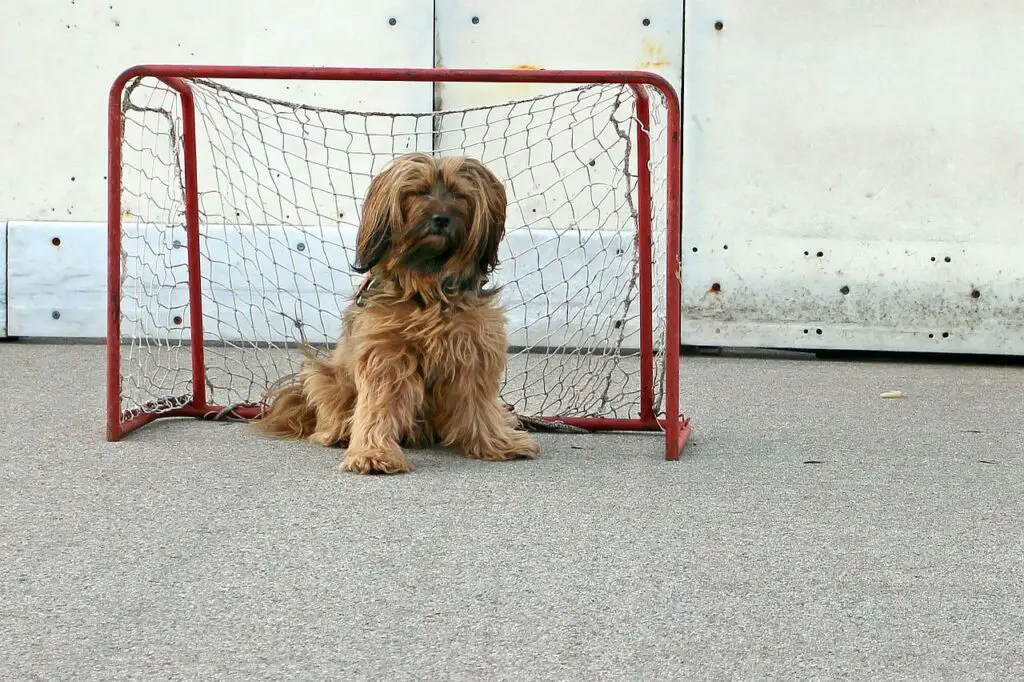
{"x": 489, "y": 214}
{"x": 379, "y": 213}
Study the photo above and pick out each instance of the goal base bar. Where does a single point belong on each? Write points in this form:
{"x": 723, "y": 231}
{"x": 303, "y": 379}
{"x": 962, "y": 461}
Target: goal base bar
{"x": 248, "y": 413}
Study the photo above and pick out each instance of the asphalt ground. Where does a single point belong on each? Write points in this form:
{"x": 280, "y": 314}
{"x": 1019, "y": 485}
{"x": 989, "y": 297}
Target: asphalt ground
{"x": 813, "y": 530}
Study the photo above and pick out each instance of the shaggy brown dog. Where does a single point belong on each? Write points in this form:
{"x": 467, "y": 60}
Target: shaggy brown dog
{"x": 422, "y": 348}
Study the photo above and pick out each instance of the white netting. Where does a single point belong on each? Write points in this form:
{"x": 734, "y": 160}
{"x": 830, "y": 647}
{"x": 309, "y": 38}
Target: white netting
{"x": 281, "y": 187}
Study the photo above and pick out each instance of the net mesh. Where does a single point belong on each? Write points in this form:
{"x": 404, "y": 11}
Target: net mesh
{"x": 280, "y": 191}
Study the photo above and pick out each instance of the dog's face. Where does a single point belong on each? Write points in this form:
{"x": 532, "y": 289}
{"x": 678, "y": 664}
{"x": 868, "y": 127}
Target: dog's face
{"x": 440, "y": 218}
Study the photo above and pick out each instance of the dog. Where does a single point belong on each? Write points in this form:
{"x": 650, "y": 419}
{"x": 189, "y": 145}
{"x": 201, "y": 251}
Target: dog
{"x": 423, "y": 343}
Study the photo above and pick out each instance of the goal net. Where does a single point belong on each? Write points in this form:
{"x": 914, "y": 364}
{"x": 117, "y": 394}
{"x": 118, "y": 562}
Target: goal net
{"x": 207, "y": 325}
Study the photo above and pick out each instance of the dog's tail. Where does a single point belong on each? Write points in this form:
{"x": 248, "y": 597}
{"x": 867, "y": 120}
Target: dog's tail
{"x": 289, "y": 415}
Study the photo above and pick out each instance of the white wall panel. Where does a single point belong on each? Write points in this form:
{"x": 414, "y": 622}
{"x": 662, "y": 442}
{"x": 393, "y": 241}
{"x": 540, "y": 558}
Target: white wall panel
{"x": 569, "y": 163}
{"x": 884, "y": 135}
{"x": 549, "y": 150}
{"x": 60, "y": 58}
{"x": 57, "y": 277}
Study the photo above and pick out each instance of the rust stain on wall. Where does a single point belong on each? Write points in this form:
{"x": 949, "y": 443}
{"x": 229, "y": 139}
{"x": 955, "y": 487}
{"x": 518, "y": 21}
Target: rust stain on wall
{"x": 652, "y": 55}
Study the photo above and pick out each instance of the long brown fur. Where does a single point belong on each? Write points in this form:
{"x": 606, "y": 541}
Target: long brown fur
{"x": 422, "y": 348}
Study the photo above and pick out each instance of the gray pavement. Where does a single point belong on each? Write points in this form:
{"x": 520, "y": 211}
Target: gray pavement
{"x": 199, "y": 550}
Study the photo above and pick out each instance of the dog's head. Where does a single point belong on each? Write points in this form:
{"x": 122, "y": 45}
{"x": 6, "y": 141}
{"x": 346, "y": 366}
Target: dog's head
{"x": 433, "y": 218}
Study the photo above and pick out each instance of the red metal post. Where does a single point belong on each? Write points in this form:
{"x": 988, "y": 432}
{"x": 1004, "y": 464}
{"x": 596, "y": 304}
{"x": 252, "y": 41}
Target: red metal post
{"x": 675, "y": 433}
{"x": 644, "y": 237}
{"x": 192, "y": 246}
{"x": 114, "y": 141}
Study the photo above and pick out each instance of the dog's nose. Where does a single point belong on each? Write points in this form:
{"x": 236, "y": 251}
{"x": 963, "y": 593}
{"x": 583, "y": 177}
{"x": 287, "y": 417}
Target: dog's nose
{"x": 439, "y": 222}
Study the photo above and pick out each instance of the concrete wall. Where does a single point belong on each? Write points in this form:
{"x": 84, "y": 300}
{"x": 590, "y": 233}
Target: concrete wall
{"x": 881, "y": 134}
{"x": 863, "y": 162}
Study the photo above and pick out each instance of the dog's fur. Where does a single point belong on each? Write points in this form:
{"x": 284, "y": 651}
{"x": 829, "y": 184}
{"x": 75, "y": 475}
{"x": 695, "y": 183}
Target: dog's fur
{"x": 422, "y": 348}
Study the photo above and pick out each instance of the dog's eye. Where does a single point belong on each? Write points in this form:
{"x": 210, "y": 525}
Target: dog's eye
{"x": 414, "y": 194}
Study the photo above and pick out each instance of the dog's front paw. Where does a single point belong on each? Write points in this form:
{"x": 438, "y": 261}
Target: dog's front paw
{"x": 517, "y": 445}
{"x": 376, "y": 462}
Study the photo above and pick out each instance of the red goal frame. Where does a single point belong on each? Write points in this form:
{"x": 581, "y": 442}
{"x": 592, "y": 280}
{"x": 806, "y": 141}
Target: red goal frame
{"x": 675, "y": 426}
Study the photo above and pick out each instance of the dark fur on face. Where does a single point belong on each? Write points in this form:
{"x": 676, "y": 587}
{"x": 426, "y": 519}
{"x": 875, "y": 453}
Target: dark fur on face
{"x": 422, "y": 349}
{"x": 432, "y": 222}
